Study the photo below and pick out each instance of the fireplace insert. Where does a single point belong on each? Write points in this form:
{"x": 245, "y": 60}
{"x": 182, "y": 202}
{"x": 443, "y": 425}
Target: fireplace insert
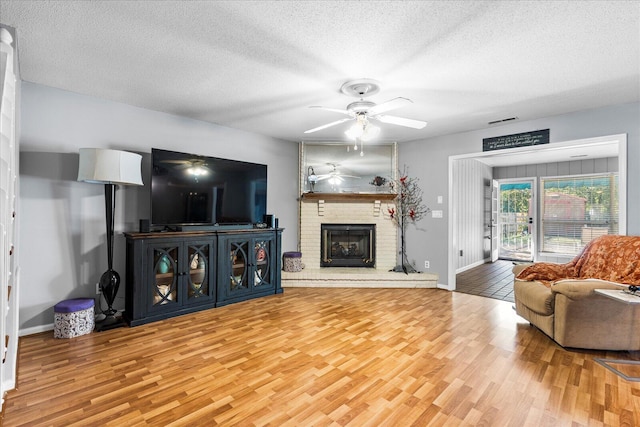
{"x": 348, "y": 245}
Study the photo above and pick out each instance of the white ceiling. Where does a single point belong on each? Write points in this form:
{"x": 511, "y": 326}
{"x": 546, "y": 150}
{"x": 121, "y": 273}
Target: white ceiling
{"x": 259, "y": 65}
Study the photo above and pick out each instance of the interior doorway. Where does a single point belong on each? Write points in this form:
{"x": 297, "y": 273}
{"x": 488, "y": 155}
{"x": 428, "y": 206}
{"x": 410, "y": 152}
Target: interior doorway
{"x": 588, "y": 148}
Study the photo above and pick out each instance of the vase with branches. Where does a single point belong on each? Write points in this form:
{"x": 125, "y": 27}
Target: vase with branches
{"x": 407, "y": 210}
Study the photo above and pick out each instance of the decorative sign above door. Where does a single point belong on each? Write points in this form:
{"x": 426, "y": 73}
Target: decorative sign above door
{"x": 536, "y": 137}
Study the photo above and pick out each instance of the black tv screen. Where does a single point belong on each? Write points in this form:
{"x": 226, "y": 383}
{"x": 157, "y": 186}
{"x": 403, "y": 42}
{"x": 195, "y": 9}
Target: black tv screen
{"x": 188, "y": 189}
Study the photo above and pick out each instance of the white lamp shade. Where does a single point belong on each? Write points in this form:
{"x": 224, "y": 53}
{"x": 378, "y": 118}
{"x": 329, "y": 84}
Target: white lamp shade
{"x": 103, "y": 166}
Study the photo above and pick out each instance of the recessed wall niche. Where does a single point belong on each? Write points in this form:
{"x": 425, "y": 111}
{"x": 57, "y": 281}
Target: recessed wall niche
{"x": 342, "y": 168}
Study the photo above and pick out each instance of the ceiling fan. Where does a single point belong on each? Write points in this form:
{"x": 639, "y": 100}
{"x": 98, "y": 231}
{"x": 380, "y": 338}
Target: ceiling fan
{"x": 363, "y": 110}
{"x": 334, "y": 177}
{"x": 334, "y": 174}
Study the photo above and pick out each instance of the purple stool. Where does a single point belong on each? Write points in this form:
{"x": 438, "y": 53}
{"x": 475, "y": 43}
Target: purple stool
{"x": 73, "y": 317}
{"x": 292, "y": 261}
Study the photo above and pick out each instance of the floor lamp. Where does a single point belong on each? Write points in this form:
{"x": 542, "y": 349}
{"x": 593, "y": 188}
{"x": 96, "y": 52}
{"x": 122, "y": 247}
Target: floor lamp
{"x": 111, "y": 168}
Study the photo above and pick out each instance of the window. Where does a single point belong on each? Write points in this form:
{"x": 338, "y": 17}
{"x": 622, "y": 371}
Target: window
{"x": 576, "y": 210}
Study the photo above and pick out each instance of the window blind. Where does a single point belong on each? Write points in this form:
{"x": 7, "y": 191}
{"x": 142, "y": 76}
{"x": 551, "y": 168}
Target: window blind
{"x": 576, "y": 210}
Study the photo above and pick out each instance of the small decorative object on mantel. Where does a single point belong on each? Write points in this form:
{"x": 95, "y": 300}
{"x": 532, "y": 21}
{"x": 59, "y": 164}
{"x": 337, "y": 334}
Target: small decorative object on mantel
{"x": 378, "y": 181}
{"x": 408, "y": 209}
{"x": 312, "y": 178}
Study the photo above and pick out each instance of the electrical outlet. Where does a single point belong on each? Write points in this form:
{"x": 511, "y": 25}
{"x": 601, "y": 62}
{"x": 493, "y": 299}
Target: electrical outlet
{"x": 427, "y": 264}
{"x": 98, "y": 290}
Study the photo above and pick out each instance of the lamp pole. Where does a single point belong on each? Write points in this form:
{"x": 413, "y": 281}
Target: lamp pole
{"x": 110, "y": 279}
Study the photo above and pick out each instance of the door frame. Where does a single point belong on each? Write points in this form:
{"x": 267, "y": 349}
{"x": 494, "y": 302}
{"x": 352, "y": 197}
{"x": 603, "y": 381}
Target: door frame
{"x": 524, "y": 153}
{"x": 533, "y": 209}
{"x": 495, "y": 238}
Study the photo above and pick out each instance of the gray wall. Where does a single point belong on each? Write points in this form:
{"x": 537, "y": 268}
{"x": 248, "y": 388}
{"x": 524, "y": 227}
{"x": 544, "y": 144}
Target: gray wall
{"x": 428, "y": 160}
{"x": 62, "y": 223}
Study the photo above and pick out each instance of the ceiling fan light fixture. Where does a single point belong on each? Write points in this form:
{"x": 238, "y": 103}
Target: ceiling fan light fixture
{"x": 197, "y": 171}
{"x": 362, "y": 129}
{"x": 334, "y": 181}
{"x": 354, "y": 132}
{"x": 370, "y": 132}
{"x": 365, "y": 132}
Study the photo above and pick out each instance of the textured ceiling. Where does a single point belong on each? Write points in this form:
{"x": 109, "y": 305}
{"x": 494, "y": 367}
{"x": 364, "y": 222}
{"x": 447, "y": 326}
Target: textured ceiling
{"x": 259, "y": 65}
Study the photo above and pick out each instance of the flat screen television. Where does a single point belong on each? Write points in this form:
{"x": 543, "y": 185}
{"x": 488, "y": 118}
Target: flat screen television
{"x": 194, "y": 190}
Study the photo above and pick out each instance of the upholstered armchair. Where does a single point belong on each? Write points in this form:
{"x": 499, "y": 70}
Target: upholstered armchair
{"x": 560, "y": 299}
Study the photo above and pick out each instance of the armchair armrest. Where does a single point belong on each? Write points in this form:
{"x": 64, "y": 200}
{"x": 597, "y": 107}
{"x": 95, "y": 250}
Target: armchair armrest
{"x": 519, "y": 267}
{"x": 582, "y": 288}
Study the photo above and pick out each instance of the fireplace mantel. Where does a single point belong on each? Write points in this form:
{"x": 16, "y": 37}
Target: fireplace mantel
{"x": 347, "y": 197}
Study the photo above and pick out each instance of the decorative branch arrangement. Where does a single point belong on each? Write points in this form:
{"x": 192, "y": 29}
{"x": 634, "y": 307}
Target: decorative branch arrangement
{"x": 408, "y": 209}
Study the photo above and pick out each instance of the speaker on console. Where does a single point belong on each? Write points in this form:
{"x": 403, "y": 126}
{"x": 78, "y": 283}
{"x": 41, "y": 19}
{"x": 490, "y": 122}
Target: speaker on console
{"x": 268, "y": 219}
{"x": 145, "y": 227}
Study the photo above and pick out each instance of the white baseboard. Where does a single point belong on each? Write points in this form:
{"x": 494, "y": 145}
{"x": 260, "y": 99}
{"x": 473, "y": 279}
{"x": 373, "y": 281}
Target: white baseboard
{"x": 470, "y": 266}
{"x": 35, "y": 330}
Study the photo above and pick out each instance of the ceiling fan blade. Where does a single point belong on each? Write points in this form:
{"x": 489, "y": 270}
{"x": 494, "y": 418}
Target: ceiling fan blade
{"x": 388, "y": 106}
{"x": 177, "y": 162}
{"x": 401, "y": 121}
{"x": 335, "y": 110}
{"x": 337, "y": 122}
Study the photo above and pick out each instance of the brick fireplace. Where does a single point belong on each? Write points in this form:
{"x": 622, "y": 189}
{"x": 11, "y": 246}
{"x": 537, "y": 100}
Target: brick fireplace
{"x": 354, "y": 209}
{"x": 371, "y": 209}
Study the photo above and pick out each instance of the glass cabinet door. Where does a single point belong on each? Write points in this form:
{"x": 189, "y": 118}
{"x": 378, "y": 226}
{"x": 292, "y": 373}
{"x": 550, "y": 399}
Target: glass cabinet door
{"x": 164, "y": 290}
{"x": 262, "y": 273}
{"x": 239, "y": 261}
{"x": 198, "y": 279}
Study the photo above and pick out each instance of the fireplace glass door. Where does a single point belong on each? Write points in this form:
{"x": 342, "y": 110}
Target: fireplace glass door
{"x": 348, "y": 245}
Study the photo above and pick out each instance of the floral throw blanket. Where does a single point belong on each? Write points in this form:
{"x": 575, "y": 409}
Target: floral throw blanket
{"x": 613, "y": 258}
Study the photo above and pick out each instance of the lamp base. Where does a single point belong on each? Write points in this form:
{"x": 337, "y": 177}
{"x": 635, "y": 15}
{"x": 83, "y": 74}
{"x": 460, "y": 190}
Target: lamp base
{"x": 109, "y": 284}
{"x": 110, "y": 322}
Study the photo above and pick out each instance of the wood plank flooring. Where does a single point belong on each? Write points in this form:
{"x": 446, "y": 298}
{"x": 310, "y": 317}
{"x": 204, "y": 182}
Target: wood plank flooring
{"x": 322, "y": 357}
{"x": 491, "y": 280}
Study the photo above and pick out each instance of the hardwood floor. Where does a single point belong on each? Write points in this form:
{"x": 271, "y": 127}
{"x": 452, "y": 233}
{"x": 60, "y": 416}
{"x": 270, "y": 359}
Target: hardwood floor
{"x": 491, "y": 280}
{"x": 322, "y": 357}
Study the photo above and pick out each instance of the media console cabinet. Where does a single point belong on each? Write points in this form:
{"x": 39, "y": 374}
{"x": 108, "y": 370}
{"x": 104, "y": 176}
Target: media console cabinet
{"x": 174, "y": 273}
